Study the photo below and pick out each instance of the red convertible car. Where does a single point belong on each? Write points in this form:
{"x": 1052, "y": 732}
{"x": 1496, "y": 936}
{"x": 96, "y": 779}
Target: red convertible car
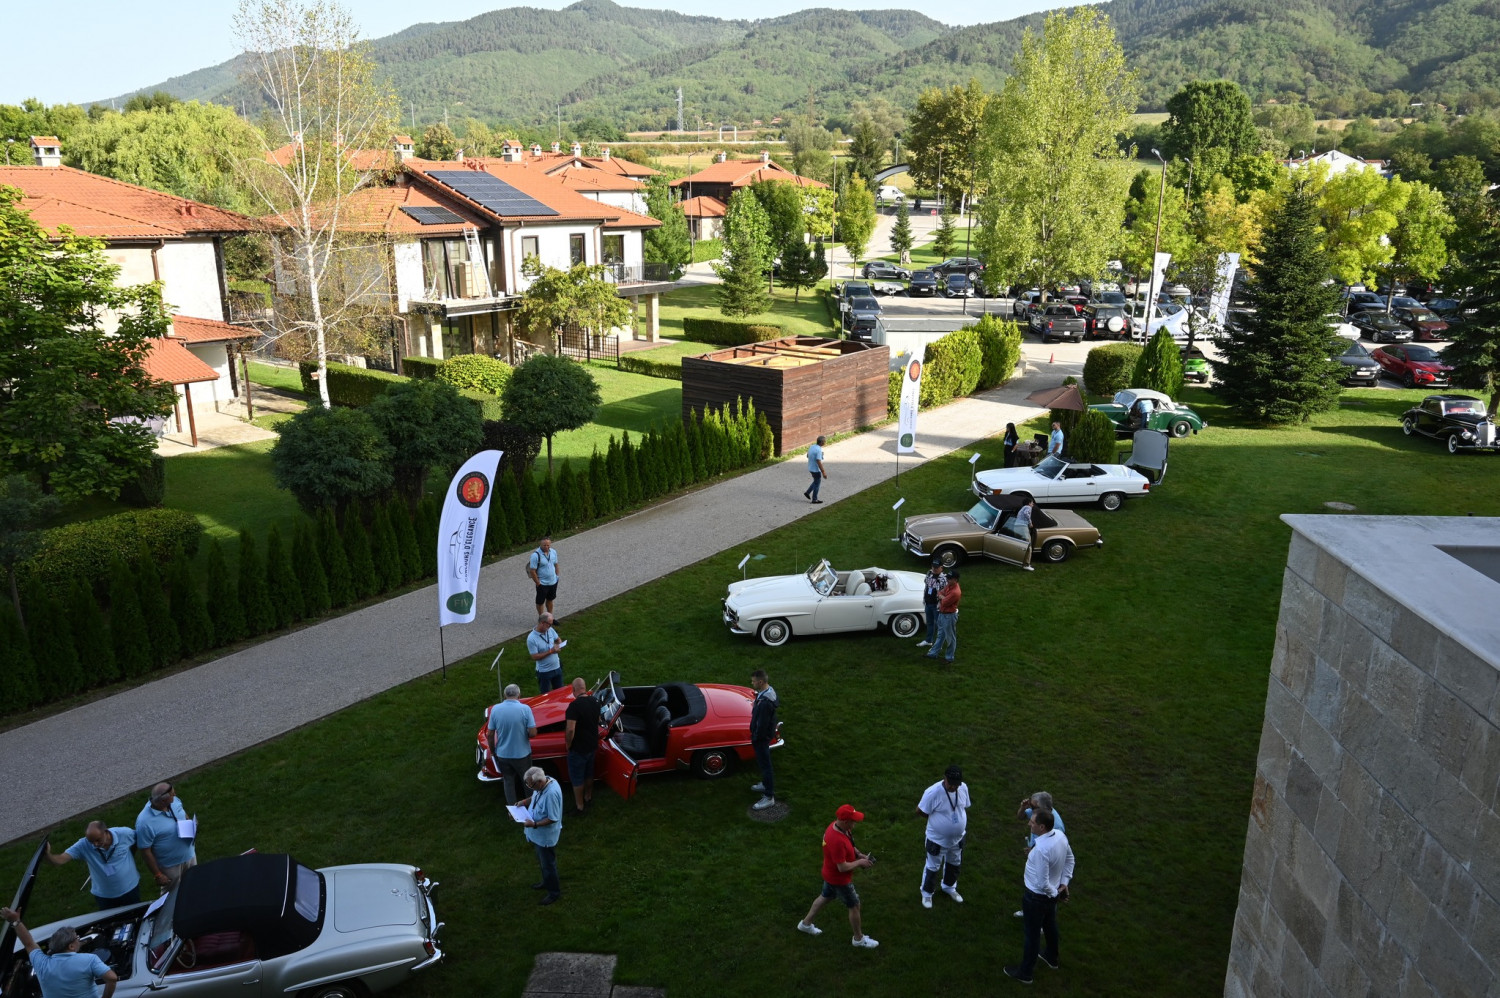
{"x": 703, "y": 727}
{"x": 1414, "y": 366}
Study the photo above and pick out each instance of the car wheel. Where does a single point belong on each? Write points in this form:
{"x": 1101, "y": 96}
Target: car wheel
{"x": 1056, "y": 551}
{"x": 1453, "y": 443}
{"x": 1408, "y": 426}
{"x": 774, "y": 632}
{"x": 1111, "y": 501}
{"x": 904, "y": 625}
{"x": 1181, "y": 428}
{"x": 710, "y": 764}
{"x": 1407, "y": 381}
{"x": 344, "y": 989}
{"x": 950, "y": 555}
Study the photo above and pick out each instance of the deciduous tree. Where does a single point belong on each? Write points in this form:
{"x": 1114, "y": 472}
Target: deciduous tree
{"x": 1420, "y": 238}
{"x": 856, "y": 217}
{"x": 1357, "y": 210}
{"x": 427, "y": 425}
{"x": 578, "y": 298}
{"x": 330, "y": 458}
{"x": 668, "y": 243}
{"x": 1209, "y": 122}
{"x": 549, "y": 394}
{"x": 941, "y": 140}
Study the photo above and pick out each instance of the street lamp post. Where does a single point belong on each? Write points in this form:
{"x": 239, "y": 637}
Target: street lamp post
{"x": 1190, "y": 181}
{"x": 1161, "y": 197}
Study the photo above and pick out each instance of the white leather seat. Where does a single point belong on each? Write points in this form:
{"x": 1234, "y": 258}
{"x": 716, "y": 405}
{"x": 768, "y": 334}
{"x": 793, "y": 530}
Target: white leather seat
{"x": 863, "y": 589}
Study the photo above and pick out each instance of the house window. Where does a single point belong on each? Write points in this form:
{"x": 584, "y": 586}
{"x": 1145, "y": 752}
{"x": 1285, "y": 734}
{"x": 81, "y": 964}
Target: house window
{"x": 575, "y": 248}
{"x": 614, "y": 249}
{"x": 529, "y": 247}
{"x": 435, "y": 268}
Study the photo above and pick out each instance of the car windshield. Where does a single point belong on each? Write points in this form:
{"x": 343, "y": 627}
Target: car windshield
{"x": 1423, "y": 355}
{"x": 984, "y": 514}
{"x": 1357, "y": 351}
{"x": 822, "y": 576}
{"x": 1050, "y": 467}
{"x": 1421, "y": 315}
{"x": 1461, "y": 405}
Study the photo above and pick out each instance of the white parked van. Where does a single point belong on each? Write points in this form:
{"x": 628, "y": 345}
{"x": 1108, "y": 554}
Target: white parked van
{"x": 888, "y": 193}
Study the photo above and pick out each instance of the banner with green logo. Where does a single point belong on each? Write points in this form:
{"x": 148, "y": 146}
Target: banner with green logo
{"x": 911, "y": 394}
{"x": 460, "y": 550}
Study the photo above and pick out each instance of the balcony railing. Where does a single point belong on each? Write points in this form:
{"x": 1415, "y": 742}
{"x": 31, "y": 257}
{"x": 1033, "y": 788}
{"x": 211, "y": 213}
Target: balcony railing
{"x": 638, "y": 273}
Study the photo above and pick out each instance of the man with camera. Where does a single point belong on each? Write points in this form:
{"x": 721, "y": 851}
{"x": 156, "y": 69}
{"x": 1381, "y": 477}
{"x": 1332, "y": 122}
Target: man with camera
{"x": 840, "y": 860}
{"x": 945, "y": 805}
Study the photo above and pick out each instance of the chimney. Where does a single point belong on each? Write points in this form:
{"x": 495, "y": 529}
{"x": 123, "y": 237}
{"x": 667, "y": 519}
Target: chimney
{"x": 459, "y": 155}
{"x": 46, "y": 150}
{"x": 723, "y": 156}
{"x": 765, "y": 156}
{"x": 511, "y": 151}
{"x": 557, "y": 147}
{"x": 577, "y": 149}
{"x": 606, "y": 154}
{"x": 404, "y": 149}
{"x": 536, "y": 150}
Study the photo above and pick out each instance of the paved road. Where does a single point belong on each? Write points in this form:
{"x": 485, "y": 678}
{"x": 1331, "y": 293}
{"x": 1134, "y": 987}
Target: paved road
{"x": 56, "y": 768}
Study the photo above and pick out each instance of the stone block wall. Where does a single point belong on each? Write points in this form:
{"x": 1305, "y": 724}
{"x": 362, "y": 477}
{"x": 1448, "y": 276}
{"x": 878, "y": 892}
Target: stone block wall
{"x": 1372, "y": 855}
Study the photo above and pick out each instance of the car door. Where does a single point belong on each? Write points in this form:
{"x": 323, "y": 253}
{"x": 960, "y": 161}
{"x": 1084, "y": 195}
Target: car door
{"x": 1429, "y": 416}
{"x": 1004, "y": 547}
{"x": 185, "y": 979}
{"x": 1082, "y": 482}
{"x": 616, "y": 768}
{"x": 844, "y": 613}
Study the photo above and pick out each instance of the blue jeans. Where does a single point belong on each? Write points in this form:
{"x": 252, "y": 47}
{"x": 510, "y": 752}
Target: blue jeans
{"x": 947, "y": 636}
{"x": 548, "y": 681}
{"x": 812, "y": 490}
{"x": 929, "y": 610}
{"x": 763, "y": 759}
{"x": 546, "y": 857}
{"x": 1039, "y": 916}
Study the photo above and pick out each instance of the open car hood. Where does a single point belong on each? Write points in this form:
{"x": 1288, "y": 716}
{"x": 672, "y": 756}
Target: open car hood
{"x": 1148, "y": 454}
{"x": 18, "y": 902}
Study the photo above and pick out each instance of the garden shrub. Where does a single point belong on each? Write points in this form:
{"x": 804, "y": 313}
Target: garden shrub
{"x": 403, "y": 523}
{"x": 476, "y": 371}
{"x": 147, "y": 489}
{"x": 361, "y": 564}
{"x": 490, "y": 407}
{"x": 1159, "y": 366}
{"x": 336, "y": 560}
{"x": 166, "y": 645}
{"x": 282, "y": 585}
{"x": 1000, "y": 351}
{"x": 650, "y": 368}
{"x": 954, "y": 364}
{"x": 96, "y": 656}
{"x": 127, "y": 624}
{"x": 348, "y": 385}
{"x": 421, "y": 368}
{"x": 195, "y": 627}
{"x": 223, "y": 598}
{"x": 727, "y": 332}
{"x": 53, "y": 652}
{"x": 85, "y": 550}
{"x": 260, "y": 616}
{"x": 1093, "y": 439}
{"x": 893, "y": 394}
{"x": 518, "y": 446}
{"x": 384, "y": 552}
{"x": 18, "y": 682}
{"x": 308, "y": 564}
{"x": 1109, "y": 368}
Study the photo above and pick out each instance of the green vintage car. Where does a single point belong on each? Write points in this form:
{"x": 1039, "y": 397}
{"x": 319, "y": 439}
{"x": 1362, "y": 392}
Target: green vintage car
{"x": 1143, "y": 409}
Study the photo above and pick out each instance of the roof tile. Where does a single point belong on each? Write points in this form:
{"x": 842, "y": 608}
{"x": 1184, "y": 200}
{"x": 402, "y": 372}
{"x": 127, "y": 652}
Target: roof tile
{"x": 92, "y": 205}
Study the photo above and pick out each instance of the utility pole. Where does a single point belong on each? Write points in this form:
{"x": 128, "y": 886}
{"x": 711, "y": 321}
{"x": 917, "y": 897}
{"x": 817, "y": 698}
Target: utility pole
{"x": 680, "y": 126}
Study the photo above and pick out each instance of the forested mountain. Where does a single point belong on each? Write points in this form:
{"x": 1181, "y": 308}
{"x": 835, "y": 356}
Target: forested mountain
{"x": 624, "y": 64}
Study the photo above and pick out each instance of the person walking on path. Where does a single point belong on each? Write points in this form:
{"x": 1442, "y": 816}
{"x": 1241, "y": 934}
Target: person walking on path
{"x": 945, "y": 805}
{"x": 581, "y": 735}
{"x": 840, "y": 860}
{"x": 932, "y": 585}
{"x": 543, "y": 645}
{"x": 542, "y": 567}
{"x": 1055, "y": 441}
{"x": 762, "y": 734}
{"x": 816, "y": 469}
{"x": 112, "y": 870}
{"x": 544, "y": 828}
{"x": 947, "y": 634}
{"x": 1011, "y": 439}
{"x": 159, "y": 836}
{"x": 512, "y": 726}
{"x": 1028, "y": 530}
{"x": 62, "y": 971}
{"x": 1049, "y": 869}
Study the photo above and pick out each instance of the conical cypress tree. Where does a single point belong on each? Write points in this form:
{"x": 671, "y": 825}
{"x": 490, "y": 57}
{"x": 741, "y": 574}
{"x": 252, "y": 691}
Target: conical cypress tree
{"x": 166, "y": 645}
{"x": 497, "y": 533}
{"x": 361, "y": 565}
{"x": 532, "y": 503}
{"x": 96, "y": 655}
{"x": 282, "y": 587}
{"x": 224, "y": 605}
{"x": 52, "y": 650}
{"x": 551, "y": 503}
{"x": 260, "y": 615}
{"x": 585, "y": 498}
{"x": 384, "y": 552}
{"x": 649, "y": 459}
{"x": 189, "y": 608}
{"x": 567, "y": 498}
{"x": 508, "y": 493}
{"x": 614, "y": 464}
{"x": 127, "y": 623}
{"x": 18, "y": 683}
{"x": 335, "y": 561}
{"x": 603, "y": 504}
{"x": 406, "y": 538}
{"x": 308, "y": 563}
{"x": 697, "y": 462}
{"x": 632, "y": 471}
{"x": 427, "y": 530}
{"x": 684, "y": 475}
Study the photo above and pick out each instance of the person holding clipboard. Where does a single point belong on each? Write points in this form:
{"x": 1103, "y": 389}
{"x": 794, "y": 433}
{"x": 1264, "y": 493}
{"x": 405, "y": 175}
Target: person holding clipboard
{"x": 541, "y": 814}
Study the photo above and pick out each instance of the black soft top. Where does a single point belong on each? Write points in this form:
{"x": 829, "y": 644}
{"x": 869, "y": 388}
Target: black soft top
{"x": 255, "y": 894}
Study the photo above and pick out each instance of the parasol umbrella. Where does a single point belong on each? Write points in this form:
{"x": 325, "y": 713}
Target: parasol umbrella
{"x": 1061, "y": 397}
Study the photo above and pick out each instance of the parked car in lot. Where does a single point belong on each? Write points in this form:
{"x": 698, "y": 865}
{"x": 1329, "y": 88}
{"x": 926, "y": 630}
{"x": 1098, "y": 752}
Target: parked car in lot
{"x": 823, "y": 600}
{"x": 970, "y": 265}
{"x": 1105, "y": 322}
{"x": 1360, "y": 300}
{"x": 957, "y": 285}
{"x": 259, "y": 923}
{"x": 923, "y": 283}
{"x": 1195, "y": 366}
{"x": 1413, "y": 365}
{"x": 1379, "y": 327}
{"x": 1058, "y": 322}
{"x": 1460, "y": 421}
{"x": 1058, "y": 481}
{"x": 1025, "y": 302}
{"x": 884, "y": 270}
{"x": 1359, "y": 365}
{"x": 989, "y": 530}
{"x": 1143, "y": 409}
{"x": 1445, "y": 307}
{"x": 1424, "y": 324}
{"x": 699, "y": 727}
{"x": 1342, "y": 327}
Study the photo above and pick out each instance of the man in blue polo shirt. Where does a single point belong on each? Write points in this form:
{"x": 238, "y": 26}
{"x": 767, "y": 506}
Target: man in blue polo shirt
{"x": 106, "y": 852}
{"x": 512, "y": 726}
{"x": 543, "y": 645}
{"x": 159, "y": 837}
{"x": 63, "y": 972}
{"x": 542, "y": 567}
{"x": 544, "y": 828}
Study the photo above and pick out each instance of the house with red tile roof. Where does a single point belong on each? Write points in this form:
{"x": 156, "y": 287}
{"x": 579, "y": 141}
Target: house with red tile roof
{"x": 705, "y": 216}
{"x": 722, "y": 178}
{"x": 151, "y": 236}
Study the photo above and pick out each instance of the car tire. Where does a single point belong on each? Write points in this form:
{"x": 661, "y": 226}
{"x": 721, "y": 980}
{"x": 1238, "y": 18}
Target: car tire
{"x": 1408, "y": 426}
{"x": 950, "y": 555}
{"x": 712, "y": 764}
{"x": 1111, "y": 501}
{"x": 1407, "y": 381}
{"x": 1181, "y": 428}
{"x": 343, "y": 989}
{"x": 1056, "y": 551}
{"x": 905, "y": 625}
{"x": 1453, "y": 443}
{"x": 774, "y": 633}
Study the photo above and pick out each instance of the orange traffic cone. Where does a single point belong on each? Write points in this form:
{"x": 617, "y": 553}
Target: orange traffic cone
{"x": 1052, "y": 359}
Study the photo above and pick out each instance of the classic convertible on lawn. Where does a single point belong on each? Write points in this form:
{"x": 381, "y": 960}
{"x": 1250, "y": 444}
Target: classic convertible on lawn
{"x": 824, "y": 601}
{"x": 259, "y": 923}
{"x": 988, "y": 529}
{"x": 703, "y": 727}
{"x": 1161, "y": 413}
{"x": 1059, "y": 481}
{"x": 1460, "y": 421}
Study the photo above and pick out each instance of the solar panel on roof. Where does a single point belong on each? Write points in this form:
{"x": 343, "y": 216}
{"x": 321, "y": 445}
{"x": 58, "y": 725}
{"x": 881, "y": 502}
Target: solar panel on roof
{"x": 493, "y": 193}
{"x": 432, "y": 216}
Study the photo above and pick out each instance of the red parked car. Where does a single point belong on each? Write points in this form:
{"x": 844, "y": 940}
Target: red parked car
{"x": 702, "y": 727}
{"x": 1415, "y": 366}
{"x": 1423, "y": 323}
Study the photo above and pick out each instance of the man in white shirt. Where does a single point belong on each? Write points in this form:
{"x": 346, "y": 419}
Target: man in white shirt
{"x": 946, "y": 807}
{"x": 1049, "y": 869}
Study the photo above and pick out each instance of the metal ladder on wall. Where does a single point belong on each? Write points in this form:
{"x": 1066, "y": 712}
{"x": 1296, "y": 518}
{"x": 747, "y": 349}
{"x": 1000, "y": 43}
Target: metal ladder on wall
{"x": 476, "y": 257}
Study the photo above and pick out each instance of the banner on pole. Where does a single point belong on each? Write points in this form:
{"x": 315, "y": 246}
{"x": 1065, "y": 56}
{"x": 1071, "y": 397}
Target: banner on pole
{"x": 1158, "y": 274}
{"x": 911, "y": 395}
{"x": 460, "y": 549}
{"x": 1218, "y": 303}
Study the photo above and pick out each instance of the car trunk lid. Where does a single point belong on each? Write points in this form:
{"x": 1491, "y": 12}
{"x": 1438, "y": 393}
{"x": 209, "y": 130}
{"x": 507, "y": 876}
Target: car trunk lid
{"x": 368, "y": 898}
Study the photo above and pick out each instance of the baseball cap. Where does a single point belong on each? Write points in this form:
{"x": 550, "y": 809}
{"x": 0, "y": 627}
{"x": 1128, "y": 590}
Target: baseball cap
{"x": 937, "y": 561}
{"x": 846, "y": 812}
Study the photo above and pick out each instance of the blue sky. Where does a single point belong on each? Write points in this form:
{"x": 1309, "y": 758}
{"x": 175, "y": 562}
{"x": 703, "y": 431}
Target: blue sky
{"x": 86, "y": 50}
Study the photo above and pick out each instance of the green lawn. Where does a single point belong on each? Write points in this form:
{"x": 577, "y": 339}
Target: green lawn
{"x": 632, "y": 402}
{"x": 672, "y": 351}
{"x": 805, "y": 316}
{"x": 286, "y": 379}
{"x": 230, "y": 489}
{"x": 1130, "y": 682}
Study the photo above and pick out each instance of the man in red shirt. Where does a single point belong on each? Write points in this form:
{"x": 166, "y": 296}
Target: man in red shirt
{"x": 840, "y": 860}
{"x": 947, "y": 629}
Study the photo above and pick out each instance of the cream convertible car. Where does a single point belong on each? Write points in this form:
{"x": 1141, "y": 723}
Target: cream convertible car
{"x": 825, "y": 601}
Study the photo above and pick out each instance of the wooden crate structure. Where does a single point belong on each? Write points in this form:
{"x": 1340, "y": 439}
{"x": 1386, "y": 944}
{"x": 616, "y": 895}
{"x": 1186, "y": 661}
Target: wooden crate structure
{"x": 805, "y": 385}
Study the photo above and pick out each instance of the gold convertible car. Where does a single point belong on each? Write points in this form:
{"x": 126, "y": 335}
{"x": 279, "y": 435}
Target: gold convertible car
{"x": 988, "y": 529}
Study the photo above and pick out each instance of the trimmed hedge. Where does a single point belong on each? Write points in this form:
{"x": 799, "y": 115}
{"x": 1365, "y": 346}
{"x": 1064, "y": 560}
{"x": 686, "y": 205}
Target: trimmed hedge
{"x": 476, "y": 371}
{"x": 726, "y": 332}
{"x": 650, "y": 368}
{"x": 1000, "y": 351}
{"x": 149, "y": 488}
{"x": 421, "y": 367}
{"x": 348, "y": 385}
{"x": 954, "y": 364}
{"x": 1093, "y": 439}
{"x": 87, "y": 550}
{"x": 488, "y": 405}
{"x": 1110, "y": 368}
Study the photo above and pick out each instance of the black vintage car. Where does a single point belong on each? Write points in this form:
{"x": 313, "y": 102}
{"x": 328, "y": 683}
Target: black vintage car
{"x": 1460, "y": 421}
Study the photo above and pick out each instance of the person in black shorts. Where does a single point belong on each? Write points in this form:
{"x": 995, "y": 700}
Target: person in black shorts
{"x": 542, "y": 567}
{"x": 582, "y": 739}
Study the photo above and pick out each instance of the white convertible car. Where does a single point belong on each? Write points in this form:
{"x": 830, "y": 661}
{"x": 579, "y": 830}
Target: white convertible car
{"x": 823, "y": 600}
{"x": 1055, "y": 481}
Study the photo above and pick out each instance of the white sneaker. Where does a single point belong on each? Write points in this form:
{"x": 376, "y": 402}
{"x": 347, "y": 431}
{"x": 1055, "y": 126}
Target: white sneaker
{"x": 758, "y": 788}
{"x": 926, "y": 900}
{"x": 865, "y": 942}
{"x": 954, "y": 894}
{"x": 1028, "y": 568}
{"x": 763, "y": 803}
{"x": 1020, "y": 914}
{"x": 924, "y": 644}
{"x": 811, "y": 930}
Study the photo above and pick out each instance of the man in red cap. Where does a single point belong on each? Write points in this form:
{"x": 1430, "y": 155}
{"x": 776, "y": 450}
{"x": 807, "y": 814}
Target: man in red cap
{"x": 840, "y": 860}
